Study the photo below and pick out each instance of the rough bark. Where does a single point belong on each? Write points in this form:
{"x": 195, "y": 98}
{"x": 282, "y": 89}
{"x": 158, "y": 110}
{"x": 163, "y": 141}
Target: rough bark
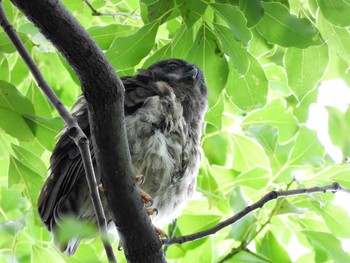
{"x": 105, "y": 94}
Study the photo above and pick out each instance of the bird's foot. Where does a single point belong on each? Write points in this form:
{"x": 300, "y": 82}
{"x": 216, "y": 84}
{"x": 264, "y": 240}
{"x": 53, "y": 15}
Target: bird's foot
{"x": 148, "y": 201}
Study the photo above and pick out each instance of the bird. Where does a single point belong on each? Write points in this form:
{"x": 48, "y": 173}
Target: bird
{"x": 164, "y": 108}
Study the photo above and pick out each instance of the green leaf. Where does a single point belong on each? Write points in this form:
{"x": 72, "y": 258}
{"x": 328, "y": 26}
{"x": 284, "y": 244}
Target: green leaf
{"x": 250, "y": 90}
{"x": 203, "y": 253}
{"x": 275, "y": 114}
{"x": 40, "y": 102}
{"x": 214, "y": 114}
{"x": 253, "y": 11}
{"x": 29, "y": 159}
{"x": 45, "y": 129}
{"x": 207, "y": 55}
{"x": 216, "y": 149}
{"x": 4, "y": 69}
{"x": 233, "y": 49}
{"x": 191, "y": 11}
{"x": 266, "y": 135}
{"x": 189, "y": 224}
{"x": 248, "y": 154}
{"x": 256, "y": 178}
{"x": 329, "y": 244}
{"x": 339, "y": 128}
{"x": 127, "y": 52}
{"x": 305, "y": 68}
{"x": 42, "y": 254}
{"x": 182, "y": 42}
{"x": 104, "y": 35}
{"x": 272, "y": 249}
{"x": 336, "y": 11}
{"x": 235, "y": 20}
{"x": 340, "y": 174}
{"x": 13, "y": 105}
{"x": 336, "y": 218}
{"x": 6, "y": 45}
{"x": 247, "y": 257}
{"x": 21, "y": 174}
{"x": 277, "y": 77}
{"x": 280, "y": 27}
{"x": 11, "y": 199}
{"x": 206, "y": 181}
{"x": 225, "y": 178}
{"x": 307, "y": 149}
{"x": 158, "y": 10}
{"x": 338, "y": 39}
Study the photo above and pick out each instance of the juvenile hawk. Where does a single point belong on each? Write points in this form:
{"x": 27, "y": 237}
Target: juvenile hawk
{"x": 164, "y": 109}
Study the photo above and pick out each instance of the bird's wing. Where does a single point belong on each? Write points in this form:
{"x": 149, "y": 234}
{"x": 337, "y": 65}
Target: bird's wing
{"x": 66, "y": 167}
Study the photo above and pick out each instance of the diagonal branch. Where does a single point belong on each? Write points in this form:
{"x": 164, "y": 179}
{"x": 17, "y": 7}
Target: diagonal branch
{"x": 104, "y": 92}
{"x": 335, "y": 187}
{"x": 75, "y": 131}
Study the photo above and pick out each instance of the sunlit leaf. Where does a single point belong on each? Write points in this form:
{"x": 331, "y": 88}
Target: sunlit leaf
{"x": 277, "y": 77}
{"x": 248, "y": 154}
{"x": 191, "y": 11}
{"x": 128, "y": 51}
{"x": 157, "y": 10}
{"x": 250, "y": 90}
{"x": 336, "y": 11}
{"x": 21, "y": 174}
{"x": 336, "y": 218}
{"x": 305, "y": 68}
{"x": 6, "y": 45}
{"x": 193, "y": 223}
{"x": 253, "y": 11}
{"x": 275, "y": 114}
{"x": 280, "y": 27}
{"x": 29, "y": 159}
{"x": 272, "y": 249}
{"x": 338, "y": 39}
{"x": 104, "y": 35}
{"x": 13, "y": 105}
{"x": 307, "y": 149}
{"x": 329, "y": 244}
{"x": 256, "y": 178}
{"x": 235, "y": 20}
{"x": 234, "y": 49}
{"x": 339, "y": 128}
{"x": 208, "y": 56}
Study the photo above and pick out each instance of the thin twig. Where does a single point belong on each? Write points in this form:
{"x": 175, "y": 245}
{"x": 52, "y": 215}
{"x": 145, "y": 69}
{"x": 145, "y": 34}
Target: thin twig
{"x": 75, "y": 131}
{"x": 335, "y": 187}
{"x": 94, "y": 12}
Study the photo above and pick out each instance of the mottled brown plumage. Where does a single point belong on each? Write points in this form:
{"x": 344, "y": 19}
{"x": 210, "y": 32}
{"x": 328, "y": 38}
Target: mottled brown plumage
{"x": 164, "y": 110}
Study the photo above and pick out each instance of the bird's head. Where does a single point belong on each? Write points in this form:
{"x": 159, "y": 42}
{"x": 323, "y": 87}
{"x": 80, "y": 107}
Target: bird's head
{"x": 178, "y": 73}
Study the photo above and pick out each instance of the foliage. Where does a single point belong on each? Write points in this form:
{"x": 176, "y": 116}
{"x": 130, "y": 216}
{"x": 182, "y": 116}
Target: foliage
{"x": 263, "y": 61}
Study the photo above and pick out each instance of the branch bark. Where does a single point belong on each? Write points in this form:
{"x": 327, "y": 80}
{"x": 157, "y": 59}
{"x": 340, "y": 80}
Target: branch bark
{"x": 335, "y": 187}
{"x": 105, "y": 95}
{"x": 75, "y": 131}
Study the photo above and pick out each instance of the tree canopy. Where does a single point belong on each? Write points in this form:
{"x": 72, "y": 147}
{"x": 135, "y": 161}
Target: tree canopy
{"x": 263, "y": 61}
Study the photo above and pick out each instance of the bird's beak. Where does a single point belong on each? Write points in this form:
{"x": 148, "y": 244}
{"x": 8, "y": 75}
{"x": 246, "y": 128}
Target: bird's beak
{"x": 192, "y": 73}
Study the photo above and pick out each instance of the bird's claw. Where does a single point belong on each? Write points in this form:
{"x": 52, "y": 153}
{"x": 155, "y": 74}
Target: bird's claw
{"x": 146, "y": 198}
{"x": 151, "y": 211}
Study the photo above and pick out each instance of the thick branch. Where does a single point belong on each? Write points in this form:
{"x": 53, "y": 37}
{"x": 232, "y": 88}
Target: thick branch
{"x": 104, "y": 93}
{"x": 75, "y": 131}
{"x": 335, "y": 187}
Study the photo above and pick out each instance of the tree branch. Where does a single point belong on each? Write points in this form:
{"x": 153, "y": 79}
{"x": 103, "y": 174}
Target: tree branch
{"x": 335, "y": 187}
{"x": 105, "y": 96}
{"x": 75, "y": 131}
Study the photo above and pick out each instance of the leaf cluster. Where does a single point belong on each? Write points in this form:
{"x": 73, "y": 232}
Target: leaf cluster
{"x": 263, "y": 62}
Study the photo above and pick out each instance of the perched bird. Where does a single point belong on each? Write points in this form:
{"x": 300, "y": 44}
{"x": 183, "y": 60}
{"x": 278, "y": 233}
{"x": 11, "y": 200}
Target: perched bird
{"x": 164, "y": 110}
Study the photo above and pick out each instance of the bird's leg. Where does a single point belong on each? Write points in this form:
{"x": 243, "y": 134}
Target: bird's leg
{"x": 148, "y": 201}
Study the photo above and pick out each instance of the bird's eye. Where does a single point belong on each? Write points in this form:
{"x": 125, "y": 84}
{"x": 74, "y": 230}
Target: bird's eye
{"x": 173, "y": 64}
